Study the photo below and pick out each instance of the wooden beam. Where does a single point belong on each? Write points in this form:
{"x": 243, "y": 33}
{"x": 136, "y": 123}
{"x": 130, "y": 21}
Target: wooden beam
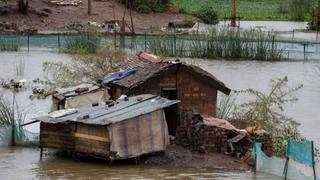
{"x": 77, "y": 135}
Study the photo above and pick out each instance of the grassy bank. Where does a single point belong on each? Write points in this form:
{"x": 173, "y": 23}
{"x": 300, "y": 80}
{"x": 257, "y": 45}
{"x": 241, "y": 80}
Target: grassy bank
{"x": 248, "y": 9}
{"x": 227, "y": 44}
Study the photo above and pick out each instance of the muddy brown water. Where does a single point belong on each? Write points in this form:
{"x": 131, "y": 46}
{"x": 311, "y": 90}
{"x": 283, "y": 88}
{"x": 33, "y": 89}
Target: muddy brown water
{"x": 23, "y": 163}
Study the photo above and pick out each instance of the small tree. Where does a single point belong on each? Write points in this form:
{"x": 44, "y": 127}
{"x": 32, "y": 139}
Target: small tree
{"x": 85, "y": 68}
{"x": 266, "y": 110}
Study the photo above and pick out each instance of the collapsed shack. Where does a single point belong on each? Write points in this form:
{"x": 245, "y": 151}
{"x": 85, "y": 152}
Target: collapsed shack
{"x": 120, "y": 130}
{"x": 78, "y": 96}
{"x": 168, "y": 77}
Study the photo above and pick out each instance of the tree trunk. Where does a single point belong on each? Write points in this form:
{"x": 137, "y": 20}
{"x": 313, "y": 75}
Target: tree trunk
{"x": 23, "y": 6}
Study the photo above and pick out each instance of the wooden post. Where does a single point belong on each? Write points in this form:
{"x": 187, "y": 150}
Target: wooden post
{"x": 145, "y": 41}
{"x": 28, "y": 41}
{"x": 59, "y": 42}
{"x": 89, "y": 7}
{"x": 41, "y": 152}
{"x": 233, "y": 13}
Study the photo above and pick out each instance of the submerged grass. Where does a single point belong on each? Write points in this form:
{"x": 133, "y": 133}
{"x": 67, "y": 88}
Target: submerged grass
{"x": 81, "y": 44}
{"x": 10, "y": 44}
{"x": 10, "y": 120}
{"x": 227, "y": 44}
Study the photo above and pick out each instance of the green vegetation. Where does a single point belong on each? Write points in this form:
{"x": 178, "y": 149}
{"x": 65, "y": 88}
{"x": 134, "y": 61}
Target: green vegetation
{"x": 208, "y": 15}
{"x": 85, "y": 68}
{"x": 9, "y": 120}
{"x": 81, "y": 45}
{"x": 9, "y": 44}
{"x": 253, "y": 9}
{"x": 144, "y": 8}
{"x": 266, "y": 110}
{"x": 147, "y": 6}
{"x": 227, "y": 44}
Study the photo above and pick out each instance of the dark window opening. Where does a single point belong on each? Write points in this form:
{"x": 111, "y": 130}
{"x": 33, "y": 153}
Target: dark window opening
{"x": 171, "y": 112}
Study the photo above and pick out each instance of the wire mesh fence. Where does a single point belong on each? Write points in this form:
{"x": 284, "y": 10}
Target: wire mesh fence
{"x": 178, "y": 45}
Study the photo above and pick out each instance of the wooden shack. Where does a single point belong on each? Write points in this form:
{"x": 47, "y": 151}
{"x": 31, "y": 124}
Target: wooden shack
{"x": 78, "y": 96}
{"x": 124, "y": 129}
{"x": 167, "y": 77}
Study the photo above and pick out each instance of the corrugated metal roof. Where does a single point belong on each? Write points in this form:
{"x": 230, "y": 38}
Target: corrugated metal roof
{"x": 122, "y": 110}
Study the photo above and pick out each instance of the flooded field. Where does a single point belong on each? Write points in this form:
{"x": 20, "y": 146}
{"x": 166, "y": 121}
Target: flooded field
{"x": 236, "y": 75}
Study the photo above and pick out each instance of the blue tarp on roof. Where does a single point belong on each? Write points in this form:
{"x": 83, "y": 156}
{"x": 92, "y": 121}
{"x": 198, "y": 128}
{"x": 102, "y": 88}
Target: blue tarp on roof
{"x": 118, "y": 75}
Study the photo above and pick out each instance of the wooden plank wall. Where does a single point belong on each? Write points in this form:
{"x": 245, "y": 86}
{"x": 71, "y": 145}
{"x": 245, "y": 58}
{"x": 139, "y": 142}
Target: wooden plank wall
{"x": 91, "y": 140}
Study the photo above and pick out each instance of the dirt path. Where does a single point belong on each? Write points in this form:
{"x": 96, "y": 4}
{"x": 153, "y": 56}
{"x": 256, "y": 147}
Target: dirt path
{"x": 59, "y": 16}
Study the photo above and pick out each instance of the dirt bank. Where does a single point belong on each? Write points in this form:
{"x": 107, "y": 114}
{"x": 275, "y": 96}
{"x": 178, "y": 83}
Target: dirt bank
{"x": 177, "y": 156}
{"x": 49, "y": 17}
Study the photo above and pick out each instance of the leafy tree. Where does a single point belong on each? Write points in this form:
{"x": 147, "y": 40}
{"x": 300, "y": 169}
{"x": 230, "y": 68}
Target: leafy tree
{"x": 83, "y": 69}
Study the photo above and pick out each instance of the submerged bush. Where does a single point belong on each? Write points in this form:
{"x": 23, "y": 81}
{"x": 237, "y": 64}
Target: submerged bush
{"x": 265, "y": 110}
{"x": 85, "y": 68}
{"x": 208, "y": 15}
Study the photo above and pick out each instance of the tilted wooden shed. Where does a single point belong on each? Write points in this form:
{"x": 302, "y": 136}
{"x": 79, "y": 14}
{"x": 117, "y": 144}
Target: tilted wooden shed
{"x": 124, "y": 129}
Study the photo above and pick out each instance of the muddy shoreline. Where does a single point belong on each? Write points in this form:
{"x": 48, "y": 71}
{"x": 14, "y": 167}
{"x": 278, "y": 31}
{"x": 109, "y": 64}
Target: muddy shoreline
{"x": 173, "y": 157}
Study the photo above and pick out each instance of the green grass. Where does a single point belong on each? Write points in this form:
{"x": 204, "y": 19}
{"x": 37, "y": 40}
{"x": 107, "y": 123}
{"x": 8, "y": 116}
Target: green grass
{"x": 248, "y": 9}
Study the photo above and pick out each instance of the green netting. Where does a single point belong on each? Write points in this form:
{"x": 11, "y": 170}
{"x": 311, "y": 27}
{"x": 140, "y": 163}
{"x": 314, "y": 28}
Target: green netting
{"x": 275, "y": 166}
{"x": 21, "y": 136}
{"x": 301, "y": 151}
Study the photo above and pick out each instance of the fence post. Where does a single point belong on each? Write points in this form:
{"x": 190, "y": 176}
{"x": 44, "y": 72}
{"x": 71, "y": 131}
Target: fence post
{"x": 272, "y": 50}
{"x": 145, "y": 41}
{"x": 59, "y": 42}
{"x": 13, "y": 141}
{"x": 304, "y": 51}
{"x": 313, "y": 162}
{"x": 28, "y": 41}
{"x": 175, "y": 45}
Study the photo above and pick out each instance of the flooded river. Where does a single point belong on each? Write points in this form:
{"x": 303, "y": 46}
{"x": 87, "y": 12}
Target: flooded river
{"x": 23, "y": 163}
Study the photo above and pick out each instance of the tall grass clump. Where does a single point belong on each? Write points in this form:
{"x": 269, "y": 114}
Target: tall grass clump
{"x": 10, "y": 120}
{"x": 167, "y": 46}
{"x": 226, "y": 44}
{"x": 10, "y": 44}
{"x": 81, "y": 45}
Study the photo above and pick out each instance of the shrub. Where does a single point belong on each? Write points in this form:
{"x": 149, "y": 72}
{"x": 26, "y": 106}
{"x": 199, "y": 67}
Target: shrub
{"x": 143, "y": 8}
{"x": 159, "y": 8}
{"x": 300, "y": 8}
{"x": 208, "y": 15}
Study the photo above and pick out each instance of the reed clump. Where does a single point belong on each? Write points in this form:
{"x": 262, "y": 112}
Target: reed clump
{"x": 226, "y": 44}
{"x": 81, "y": 44}
{"x": 10, "y": 44}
